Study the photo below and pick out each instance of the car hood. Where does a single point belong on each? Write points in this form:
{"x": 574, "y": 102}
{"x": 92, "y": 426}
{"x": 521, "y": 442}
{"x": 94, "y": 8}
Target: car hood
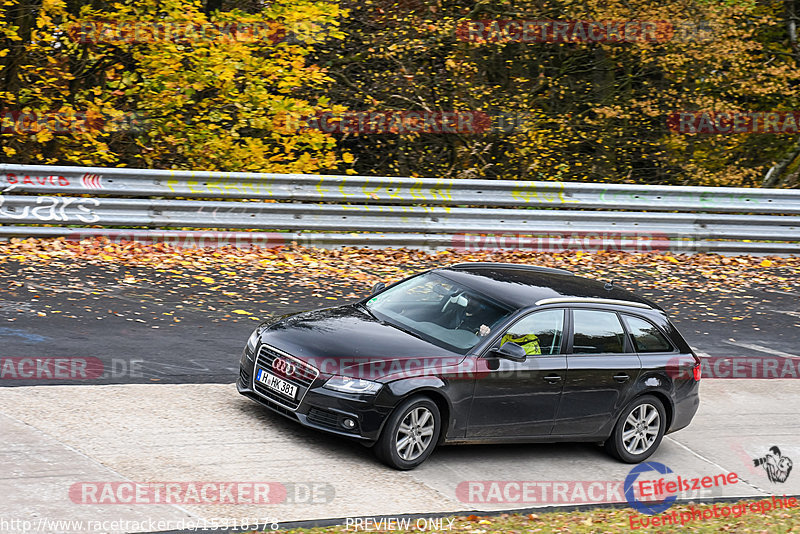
{"x": 348, "y": 340}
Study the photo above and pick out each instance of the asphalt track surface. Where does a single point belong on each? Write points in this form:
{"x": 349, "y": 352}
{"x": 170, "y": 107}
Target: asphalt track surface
{"x": 164, "y": 407}
{"x": 147, "y": 330}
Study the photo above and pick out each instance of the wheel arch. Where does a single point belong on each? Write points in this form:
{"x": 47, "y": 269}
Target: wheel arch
{"x": 432, "y": 390}
{"x": 666, "y": 402}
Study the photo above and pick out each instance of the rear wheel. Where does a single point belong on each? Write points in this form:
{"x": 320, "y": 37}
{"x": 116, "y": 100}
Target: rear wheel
{"x": 638, "y": 431}
{"x": 410, "y": 434}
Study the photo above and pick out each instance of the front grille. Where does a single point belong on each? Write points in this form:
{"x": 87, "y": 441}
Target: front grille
{"x": 323, "y": 418}
{"x": 303, "y": 376}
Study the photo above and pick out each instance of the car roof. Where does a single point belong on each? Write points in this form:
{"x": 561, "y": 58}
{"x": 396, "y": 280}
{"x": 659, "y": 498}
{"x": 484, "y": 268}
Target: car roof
{"x": 522, "y": 286}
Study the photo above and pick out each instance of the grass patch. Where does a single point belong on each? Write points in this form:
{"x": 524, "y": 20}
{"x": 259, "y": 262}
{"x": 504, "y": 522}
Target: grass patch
{"x": 755, "y": 516}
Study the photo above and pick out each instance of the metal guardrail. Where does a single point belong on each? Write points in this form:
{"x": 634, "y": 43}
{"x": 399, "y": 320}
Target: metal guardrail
{"x": 384, "y": 211}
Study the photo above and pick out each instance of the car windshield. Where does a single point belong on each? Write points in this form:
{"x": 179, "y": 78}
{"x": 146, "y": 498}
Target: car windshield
{"x": 439, "y": 311}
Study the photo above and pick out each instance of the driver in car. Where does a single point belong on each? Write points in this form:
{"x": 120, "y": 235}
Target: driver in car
{"x": 472, "y": 319}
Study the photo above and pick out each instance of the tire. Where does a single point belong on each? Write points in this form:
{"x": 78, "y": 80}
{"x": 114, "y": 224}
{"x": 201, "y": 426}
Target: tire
{"x": 633, "y": 439}
{"x": 420, "y": 438}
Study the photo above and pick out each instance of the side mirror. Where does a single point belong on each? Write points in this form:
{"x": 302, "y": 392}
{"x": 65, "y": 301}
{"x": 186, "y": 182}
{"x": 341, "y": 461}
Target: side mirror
{"x": 377, "y": 288}
{"x": 510, "y": 351}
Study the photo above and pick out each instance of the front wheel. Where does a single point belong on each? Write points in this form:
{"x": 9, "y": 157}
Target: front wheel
{"x": 638, "y": 431}
{"x": 410, "y": 434}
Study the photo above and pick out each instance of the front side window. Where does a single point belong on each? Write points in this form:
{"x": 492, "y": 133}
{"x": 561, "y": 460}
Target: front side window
{"x": 538, "y": 333}
{"x": 646, "y": 336}
{"x": 597, "y": 332}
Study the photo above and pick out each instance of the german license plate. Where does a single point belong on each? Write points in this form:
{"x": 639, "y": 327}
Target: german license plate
{"x": 276, "y": 384}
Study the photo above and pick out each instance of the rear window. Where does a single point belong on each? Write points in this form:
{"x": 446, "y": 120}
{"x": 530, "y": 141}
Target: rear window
{"x": 646, "y": 336}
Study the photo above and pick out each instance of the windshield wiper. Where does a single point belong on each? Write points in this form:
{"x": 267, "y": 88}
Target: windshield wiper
{"x": 406, "y": 330}
{"x": 369, "y": 312}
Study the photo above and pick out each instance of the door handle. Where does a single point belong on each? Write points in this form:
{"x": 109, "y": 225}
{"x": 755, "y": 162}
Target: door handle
{"x": 552, "y": 379}
{"x": 622, "y": 377}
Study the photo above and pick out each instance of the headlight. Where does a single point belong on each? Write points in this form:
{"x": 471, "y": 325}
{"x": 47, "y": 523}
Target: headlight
{"x": 352, "y": 385}
{"x": 252, "y": 341}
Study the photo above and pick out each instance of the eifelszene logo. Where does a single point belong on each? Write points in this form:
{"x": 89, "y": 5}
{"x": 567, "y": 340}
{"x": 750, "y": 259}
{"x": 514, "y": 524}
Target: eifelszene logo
{"x": 649, "y": 507}
{"x": 653, "y": 494}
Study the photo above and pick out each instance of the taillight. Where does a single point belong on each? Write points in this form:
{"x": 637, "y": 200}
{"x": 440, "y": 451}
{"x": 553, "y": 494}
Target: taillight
{"x": 696, "y": 372}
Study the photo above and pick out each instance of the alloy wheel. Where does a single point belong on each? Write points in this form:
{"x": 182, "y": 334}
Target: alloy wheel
{"x": 641, "y": 428}
{"x": 415, "y": 433}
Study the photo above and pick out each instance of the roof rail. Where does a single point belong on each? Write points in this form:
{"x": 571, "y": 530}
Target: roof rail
{"x": 591, "y": 300}
{"x": 520, "y": 266}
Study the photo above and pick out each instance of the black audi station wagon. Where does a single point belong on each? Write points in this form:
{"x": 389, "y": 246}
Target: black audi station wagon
{"x": 480, "y": 353}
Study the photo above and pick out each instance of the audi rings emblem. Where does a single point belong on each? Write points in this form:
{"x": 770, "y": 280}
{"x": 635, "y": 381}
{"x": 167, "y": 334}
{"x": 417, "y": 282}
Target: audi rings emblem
{"x": 284, "y": 367}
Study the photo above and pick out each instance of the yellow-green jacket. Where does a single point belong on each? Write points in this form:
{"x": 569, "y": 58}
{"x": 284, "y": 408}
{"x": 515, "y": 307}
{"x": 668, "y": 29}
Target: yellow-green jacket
{"x": 529, "y": 342}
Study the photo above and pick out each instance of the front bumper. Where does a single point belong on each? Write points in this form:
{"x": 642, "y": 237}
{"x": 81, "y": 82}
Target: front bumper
{"x": 322, "y": 409}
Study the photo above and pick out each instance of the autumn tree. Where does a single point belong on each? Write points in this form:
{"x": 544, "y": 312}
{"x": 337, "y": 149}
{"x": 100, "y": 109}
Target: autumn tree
{"x": 165, "y": 84}
{"x": 582, "y": 110}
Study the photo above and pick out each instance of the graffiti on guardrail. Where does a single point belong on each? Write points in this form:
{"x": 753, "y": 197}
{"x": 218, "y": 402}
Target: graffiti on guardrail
{"x": 52, "y": 209}
{"x": 13, "y": 181}
{"x": 538, "y": 192}
{"x": 393, "y": 190}
{"x": 55, "y": 180}
{"x": 706, "y": 198}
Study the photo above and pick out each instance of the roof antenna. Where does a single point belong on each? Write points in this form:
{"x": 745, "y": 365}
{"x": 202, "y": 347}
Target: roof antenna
{"x": 609, "y": 285}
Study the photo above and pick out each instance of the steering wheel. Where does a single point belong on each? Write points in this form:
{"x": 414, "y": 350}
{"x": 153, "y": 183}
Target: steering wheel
{"x": 454, "y": 297}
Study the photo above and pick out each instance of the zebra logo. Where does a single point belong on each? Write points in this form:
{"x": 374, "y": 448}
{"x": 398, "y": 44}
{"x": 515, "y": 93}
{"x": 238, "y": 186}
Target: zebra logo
{"x": 777, "y": 467}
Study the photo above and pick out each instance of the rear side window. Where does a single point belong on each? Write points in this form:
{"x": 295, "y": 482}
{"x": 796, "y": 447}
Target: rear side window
{"x": 597, "y": 332}
{"x": 646, "y": 336}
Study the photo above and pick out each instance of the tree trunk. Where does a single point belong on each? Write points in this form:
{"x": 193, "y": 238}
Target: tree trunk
{"x": 791, "y": 27}
{"x": 774, "y": 174}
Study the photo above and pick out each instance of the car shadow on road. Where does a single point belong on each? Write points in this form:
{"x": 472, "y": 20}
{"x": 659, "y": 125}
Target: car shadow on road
{"x": 303, "y": 437}
{"x": 531, "y": 454}
{"x": 513, "y": 454}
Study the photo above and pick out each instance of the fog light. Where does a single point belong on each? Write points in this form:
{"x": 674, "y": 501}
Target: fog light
{"x": 349, "y": 424}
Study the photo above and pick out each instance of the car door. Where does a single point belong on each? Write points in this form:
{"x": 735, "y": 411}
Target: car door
{"x": 521, "y": 399}
{"x": 601, "y": 369}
